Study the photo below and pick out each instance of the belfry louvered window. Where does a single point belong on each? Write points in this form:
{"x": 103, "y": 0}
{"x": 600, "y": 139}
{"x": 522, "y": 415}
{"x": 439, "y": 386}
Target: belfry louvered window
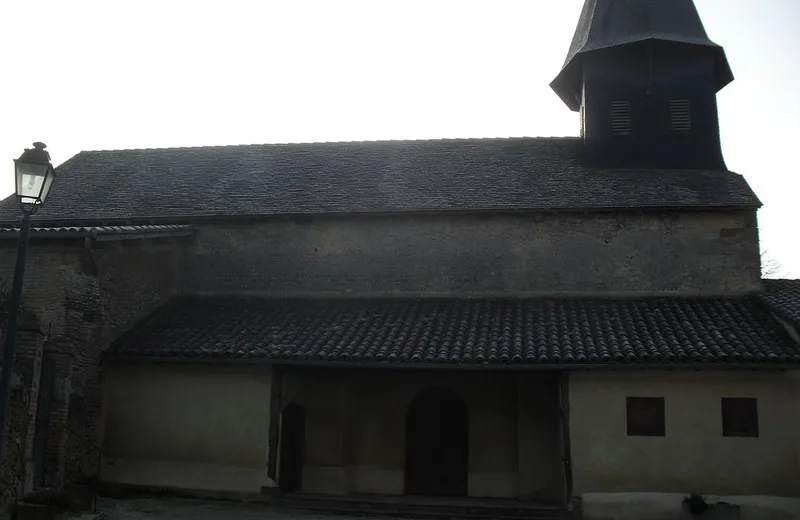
{"x": 621, "y": 117}
{"x": 680, "y": 115}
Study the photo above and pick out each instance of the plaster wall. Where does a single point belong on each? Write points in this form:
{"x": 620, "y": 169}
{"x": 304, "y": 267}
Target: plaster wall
{"x": 356, "y": 426}
{"x": 702, "y": 252}
{"x": 693, "y": 455}
{"x": 192, "y": 427}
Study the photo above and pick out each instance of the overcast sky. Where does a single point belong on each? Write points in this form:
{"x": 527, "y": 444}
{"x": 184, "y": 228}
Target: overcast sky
{"x": 85, "y": 75}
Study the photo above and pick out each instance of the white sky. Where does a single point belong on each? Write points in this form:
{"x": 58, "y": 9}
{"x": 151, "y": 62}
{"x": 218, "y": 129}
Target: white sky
{"x": 83, "y": 75}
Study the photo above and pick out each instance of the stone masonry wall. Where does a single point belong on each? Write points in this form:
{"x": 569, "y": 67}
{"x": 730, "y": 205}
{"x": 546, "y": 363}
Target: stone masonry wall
{"x": 84, "y": 298}
{"x": 518, "y": 255}
{"x": 127, "y": 284}
{"x": 15, "y": 466}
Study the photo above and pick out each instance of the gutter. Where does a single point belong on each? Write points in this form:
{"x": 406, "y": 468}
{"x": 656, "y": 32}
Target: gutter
{"x": 99, "y": 233}
{"x": 198, "y": 218}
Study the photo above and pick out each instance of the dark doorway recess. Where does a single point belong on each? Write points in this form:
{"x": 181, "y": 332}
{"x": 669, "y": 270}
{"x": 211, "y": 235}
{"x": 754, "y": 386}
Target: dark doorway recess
{"x": 437, "y": 444}
{"x": 293, "y": 434}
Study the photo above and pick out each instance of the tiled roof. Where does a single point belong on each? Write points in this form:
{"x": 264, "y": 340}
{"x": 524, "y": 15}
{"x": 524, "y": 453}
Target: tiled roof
{"x": 102, "y": 232}
{"x": 520, "y": 174}
{"x": 599, "y": 332}
{"x": 609, "y": 23}
{"x": 783, "y": 297}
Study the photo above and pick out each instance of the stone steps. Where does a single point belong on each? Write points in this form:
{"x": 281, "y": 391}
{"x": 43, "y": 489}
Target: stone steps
{"x": 426, "y": 508}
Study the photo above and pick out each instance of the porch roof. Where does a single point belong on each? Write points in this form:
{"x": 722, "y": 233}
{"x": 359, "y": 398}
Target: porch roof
{"x": 466, "y": 332}
{"x": 783, "y": 297}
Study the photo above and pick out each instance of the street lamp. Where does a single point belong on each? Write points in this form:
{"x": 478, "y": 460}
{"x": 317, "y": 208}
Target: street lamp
{"x": 34, "y": 177}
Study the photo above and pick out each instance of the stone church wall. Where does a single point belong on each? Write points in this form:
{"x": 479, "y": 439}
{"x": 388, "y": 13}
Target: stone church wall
{"x": 687, "y": 253}
{"x": 83, "y": 299}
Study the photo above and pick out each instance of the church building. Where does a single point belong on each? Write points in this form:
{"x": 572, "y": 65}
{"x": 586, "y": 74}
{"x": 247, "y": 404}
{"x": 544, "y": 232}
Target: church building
{"x": 541, "y": 320}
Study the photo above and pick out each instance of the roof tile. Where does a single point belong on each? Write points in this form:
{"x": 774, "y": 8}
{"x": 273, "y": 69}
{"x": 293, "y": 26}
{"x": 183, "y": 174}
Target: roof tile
{"x": 571, "y": 331}
{"x": 783, "y": 297}
{"x": 519, "y": 174}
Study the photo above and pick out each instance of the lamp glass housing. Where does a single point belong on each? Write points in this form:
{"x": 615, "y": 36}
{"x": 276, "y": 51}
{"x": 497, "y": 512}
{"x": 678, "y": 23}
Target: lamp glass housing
{"x": 34, "y": 176}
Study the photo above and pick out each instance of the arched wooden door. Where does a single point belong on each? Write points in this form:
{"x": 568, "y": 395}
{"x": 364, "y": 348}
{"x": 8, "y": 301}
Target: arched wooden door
{"x": 437, "y": 444}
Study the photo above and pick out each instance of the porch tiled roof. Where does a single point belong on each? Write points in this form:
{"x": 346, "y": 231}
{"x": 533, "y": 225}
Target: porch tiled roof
{"x": 783, "y": 297}
{"x": 732, "y": 331}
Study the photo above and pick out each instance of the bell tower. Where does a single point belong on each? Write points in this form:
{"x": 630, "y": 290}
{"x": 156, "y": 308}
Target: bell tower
{"x": 644, "y": 76}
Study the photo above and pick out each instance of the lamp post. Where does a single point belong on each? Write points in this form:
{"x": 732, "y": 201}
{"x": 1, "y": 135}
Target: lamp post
{"x": 34, "y": 177}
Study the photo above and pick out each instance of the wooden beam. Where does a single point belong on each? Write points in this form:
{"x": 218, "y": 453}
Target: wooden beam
{"x": 563, "y": 394}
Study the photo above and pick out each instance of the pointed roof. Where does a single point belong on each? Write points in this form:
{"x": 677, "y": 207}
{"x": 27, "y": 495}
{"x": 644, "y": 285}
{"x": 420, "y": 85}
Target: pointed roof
{"x": 604, "y": 24}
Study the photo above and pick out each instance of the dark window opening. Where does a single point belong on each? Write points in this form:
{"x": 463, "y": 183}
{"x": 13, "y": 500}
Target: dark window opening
{"x": 680, "y": 115}
{"x": 621, "y": 117}
{"x": 739, "y": 417}
{"x": 646, "y": 416}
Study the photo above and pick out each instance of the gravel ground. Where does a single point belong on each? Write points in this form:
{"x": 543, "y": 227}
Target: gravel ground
{"x": 189, "y": 509}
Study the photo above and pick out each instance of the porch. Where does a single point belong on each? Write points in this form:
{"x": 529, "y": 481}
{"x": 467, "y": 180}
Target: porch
{"x": 337, "y": 431}
{"x": 442, "y": 433}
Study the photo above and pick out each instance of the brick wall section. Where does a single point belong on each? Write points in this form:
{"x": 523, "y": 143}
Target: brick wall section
{"x": 15, "y": 467}
{"x": 85, "y": 298}
{"x": 134, "y": 282}
{"x": 46, "y": 273}
{"x": 36, "y": 340}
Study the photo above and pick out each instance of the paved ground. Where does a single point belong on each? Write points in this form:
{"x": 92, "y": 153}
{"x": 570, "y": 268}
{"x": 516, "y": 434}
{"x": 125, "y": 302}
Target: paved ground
{"x": 188, "y": 509}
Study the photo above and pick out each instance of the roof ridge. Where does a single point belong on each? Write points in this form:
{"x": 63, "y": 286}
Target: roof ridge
{"x": 357, "y": 141}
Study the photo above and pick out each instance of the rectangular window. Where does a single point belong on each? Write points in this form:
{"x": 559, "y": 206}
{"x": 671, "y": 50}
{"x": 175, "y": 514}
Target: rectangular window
{"x": 646, "y": 416}
{"x": 739, "y": 417}
{"x": 621, "y": 117}
{"x": 680, "y": 115}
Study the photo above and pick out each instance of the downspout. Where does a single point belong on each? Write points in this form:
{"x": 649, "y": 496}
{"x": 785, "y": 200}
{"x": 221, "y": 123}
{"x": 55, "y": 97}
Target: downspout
{"x": 563, "y": 392}
{"x": 87, "y": 247}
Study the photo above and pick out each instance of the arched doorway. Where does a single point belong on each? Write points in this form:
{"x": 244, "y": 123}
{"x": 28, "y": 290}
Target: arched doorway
{"x": 437, "y": 444}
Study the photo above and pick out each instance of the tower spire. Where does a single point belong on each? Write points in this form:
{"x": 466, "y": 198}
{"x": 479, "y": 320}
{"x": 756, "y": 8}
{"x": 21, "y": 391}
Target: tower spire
{"x": 607, "y": 24}
{"x": 645, "y": 75}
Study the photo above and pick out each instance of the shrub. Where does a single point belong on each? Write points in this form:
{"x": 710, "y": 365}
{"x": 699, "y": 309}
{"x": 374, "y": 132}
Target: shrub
{"x": 696, "y": 503}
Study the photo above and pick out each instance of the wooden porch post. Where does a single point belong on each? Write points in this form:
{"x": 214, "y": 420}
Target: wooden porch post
{"x": 563, "y": 394}
{"x": 275, "y": 406}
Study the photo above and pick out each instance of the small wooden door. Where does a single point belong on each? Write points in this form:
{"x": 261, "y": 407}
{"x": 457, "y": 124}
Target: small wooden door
{"x": 293, "y": 434}
{"x": 437, "y": 444}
